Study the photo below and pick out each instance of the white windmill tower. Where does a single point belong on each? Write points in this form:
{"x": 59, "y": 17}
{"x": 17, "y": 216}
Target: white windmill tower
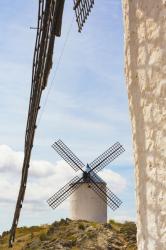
{"x": 89, "y": 193}
{"x": 85, "y": 204}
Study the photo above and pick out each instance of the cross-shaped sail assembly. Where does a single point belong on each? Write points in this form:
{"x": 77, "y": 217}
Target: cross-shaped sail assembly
{"x": 89, "y": 175}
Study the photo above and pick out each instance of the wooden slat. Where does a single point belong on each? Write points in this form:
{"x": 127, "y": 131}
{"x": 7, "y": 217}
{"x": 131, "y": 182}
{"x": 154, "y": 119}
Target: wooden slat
{"x": 82, "y": 10}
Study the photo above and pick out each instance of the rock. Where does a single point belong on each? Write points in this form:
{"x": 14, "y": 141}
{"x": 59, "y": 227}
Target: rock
{"x": 67, "y": 236}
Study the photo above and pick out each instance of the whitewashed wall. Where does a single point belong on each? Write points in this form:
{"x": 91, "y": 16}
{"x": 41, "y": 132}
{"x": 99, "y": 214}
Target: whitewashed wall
{"x": 85, "y": 204}
{"x": 145, "y": 68}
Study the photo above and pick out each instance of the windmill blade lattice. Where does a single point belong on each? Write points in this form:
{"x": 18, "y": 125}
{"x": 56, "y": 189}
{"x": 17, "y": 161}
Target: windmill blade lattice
{"x": 55, "y": 200}
{"x": 89, "y": 175}
{"x": 82, "y": 9}
{"x": 113, "y": 197}
{"x": 108, "y": 156}
{"x": 68, "y": 155}
{"x": 106, "y": 195}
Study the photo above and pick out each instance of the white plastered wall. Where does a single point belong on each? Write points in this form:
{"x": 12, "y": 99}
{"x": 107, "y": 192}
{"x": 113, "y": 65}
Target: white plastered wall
{"x": 85, "y": 204}
{"x": 145, "y": 69}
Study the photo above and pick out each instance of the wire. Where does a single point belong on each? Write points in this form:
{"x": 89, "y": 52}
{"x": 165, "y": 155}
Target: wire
{"x": 56, "y": 69}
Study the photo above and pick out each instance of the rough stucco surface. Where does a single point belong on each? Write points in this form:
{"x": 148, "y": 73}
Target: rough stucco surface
{"x": 145, "y": 68}
{"x": 93, "y": 208}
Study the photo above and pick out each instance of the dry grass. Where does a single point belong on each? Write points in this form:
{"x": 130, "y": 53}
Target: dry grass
{"x": 24, "y": 235}
{"x": 74, "y": 235}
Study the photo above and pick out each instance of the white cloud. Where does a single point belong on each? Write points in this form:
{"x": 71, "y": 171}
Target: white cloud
{"x": 114, "y": 180}
{"x": 10, "y": 161}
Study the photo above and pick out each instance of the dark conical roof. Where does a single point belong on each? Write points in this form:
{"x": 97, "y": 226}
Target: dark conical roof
{"x": 93, "y": 175}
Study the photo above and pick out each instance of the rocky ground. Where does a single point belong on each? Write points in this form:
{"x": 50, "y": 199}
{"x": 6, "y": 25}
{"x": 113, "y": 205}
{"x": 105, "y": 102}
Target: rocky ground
{"x": 74, "y": 235}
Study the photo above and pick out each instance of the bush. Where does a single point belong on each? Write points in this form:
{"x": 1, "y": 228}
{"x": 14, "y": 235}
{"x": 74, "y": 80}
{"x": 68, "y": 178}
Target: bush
{"x": 94, "y": 224}
{"x": 31, "y": 235}
{"x": 5, "y": 233}
{"x": 81, "y": 226}
{"x": 91, "y": 234}
{"x": 43, "y": 237}
{"x": 129, "y": 230}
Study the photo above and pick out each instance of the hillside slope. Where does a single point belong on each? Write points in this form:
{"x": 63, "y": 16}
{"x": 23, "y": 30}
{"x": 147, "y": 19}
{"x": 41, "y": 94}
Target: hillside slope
{"x": 74, "y": 235}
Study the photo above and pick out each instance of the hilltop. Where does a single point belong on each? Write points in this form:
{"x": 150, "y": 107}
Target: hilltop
{"x": 74, "y": 235}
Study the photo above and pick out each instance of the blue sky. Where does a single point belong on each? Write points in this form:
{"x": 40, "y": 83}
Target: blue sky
{"x": 86, "y": 107}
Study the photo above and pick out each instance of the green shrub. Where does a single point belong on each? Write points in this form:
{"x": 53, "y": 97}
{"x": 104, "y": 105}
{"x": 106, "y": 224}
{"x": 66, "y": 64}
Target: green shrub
{"x": 91, "y": 234}
{"x": 94, "y": 224}
{"x": 5, "y": 233}
{"x": 129, "y": 229}
{"x": 31, "y": 235}
{"x": 81, "y": 226}
{"x": 44, "y": 237}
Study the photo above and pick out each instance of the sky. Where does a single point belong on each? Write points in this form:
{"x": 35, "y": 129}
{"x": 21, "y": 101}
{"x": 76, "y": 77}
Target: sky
{"x": 85, "y": 105}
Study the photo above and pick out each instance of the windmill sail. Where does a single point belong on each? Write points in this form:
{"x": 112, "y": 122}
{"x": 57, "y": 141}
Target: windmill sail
{"x": 112, "y": 153}
{"x": 82, "y": 9}
{"x": 89, "y": 175}
{"x": 55, "y": 200}
{"x": 106, "y": 195}
{"x": 68, "y": 155}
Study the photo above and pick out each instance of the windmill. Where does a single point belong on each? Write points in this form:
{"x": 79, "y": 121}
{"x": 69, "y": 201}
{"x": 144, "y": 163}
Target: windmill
{"x": 89, "y": 193}
{"x": 49, "y": 24}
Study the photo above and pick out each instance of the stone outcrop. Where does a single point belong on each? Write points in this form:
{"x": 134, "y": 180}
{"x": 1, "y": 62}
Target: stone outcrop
{"x": 145, "y": 69}
{"x": 75, "y": 235}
